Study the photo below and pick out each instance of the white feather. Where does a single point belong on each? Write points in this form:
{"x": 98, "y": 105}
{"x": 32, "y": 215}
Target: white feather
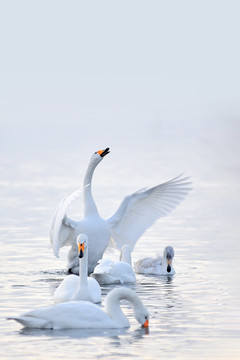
{"x": 84, "y": 314}
{"x": 136, "y": 214}
{"x": 140, "y": 210}
{"x": 60, "y": 235}
{"x": 116, "y": 272}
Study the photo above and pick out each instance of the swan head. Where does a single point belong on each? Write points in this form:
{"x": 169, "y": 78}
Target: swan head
{"x": 141, "y": 313}
{"x": 168, "y": 256}
{"x": 82, "y": 242}
{"x": 142, "y": 316}
{"x": 98, "y": 156}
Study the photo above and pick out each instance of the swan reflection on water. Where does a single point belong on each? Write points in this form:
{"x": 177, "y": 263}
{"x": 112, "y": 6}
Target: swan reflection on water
{"x": 73, "y": 333}
{"x": 116, "y": 336}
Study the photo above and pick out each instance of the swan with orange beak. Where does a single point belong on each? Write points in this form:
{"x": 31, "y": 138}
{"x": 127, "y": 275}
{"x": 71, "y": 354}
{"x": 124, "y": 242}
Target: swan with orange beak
{"x": 136, "y": 213}
{"x": 79, "y": 287}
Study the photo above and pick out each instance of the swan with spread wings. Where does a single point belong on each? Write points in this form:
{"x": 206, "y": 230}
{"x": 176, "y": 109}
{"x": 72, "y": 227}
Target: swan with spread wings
{"x": 136, "y": 213}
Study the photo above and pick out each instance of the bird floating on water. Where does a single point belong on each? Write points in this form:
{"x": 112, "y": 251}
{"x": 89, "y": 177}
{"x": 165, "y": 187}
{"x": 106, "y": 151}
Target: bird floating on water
{"x": 136, "y": 213}
{"x": 80, "y": 287}
{"x": 85, "y": 314}
{"x": 115, "y": 272}
{"x": 161, "y": 265}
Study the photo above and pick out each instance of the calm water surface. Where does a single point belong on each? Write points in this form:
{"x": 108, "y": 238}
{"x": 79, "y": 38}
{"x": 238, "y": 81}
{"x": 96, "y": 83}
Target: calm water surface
{"x": 194, "y": 314}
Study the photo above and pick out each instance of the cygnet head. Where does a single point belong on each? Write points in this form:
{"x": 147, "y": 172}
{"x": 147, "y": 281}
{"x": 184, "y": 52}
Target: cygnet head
{"x": 168, "y": 256}
{"x": 82, "y": 242}
{"x": 99, "y": 155}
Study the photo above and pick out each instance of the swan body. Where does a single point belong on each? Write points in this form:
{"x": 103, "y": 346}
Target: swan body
{"x": 84, "y": 314}
{"x": 115, "y": 272}
{"x": 80, "y": 287}
{"x": 161, "y": 265}
{"x": 136, "y": 213}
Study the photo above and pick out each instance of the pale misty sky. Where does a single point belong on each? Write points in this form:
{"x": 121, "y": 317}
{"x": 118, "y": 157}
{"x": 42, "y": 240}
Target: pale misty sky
{"x": 133, "y": 74}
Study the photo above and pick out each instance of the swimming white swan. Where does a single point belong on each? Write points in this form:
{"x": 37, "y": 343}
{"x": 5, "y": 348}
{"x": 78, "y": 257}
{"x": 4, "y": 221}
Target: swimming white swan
{"x": 84, "y": 314}
{"x": 136, "y": 213}
{"x": 116, "y": 272}
{"x": 80, "y": 287}
{"x": 162, "y": 265}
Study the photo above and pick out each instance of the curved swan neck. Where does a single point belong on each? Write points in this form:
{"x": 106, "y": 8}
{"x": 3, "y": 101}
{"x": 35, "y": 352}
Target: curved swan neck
{"x": 89, "y": 203}
{"x": 112, "y": 305}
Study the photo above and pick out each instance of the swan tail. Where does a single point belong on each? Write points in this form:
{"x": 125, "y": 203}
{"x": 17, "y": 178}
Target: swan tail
{"x": 32, "y": 322}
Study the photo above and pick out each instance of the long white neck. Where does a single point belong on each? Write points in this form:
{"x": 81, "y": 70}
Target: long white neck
{"x": 82, "y": 292}
{"x": 83, "y": 270}
{"x": 125, "y": 254}
{"x": 89, "y": 204}
{"x": 112, "y": 305}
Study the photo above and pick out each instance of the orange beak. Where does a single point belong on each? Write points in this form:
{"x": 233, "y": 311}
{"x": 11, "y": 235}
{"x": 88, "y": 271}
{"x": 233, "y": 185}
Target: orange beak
{"x": 145, "y": 325}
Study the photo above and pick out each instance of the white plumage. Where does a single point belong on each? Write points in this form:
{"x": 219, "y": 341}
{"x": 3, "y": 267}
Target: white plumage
{"x": 161, "y": 265}
{"x": 115, "y": 272}
{"x": 136, "y": 213}
{"x": 80, "y": 287}
{"x": 84, "y": 314}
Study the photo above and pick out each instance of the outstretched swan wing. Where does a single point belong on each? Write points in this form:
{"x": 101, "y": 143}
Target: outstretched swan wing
{"x": 139, "y": 211}
{"x": 62, "y": 229}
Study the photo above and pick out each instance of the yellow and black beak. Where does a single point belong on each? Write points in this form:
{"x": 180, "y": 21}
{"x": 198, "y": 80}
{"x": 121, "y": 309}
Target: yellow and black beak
{"x": 103, "y": 153}
{"x": 81, "y": 249}
{"x": 169, "y": 263}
